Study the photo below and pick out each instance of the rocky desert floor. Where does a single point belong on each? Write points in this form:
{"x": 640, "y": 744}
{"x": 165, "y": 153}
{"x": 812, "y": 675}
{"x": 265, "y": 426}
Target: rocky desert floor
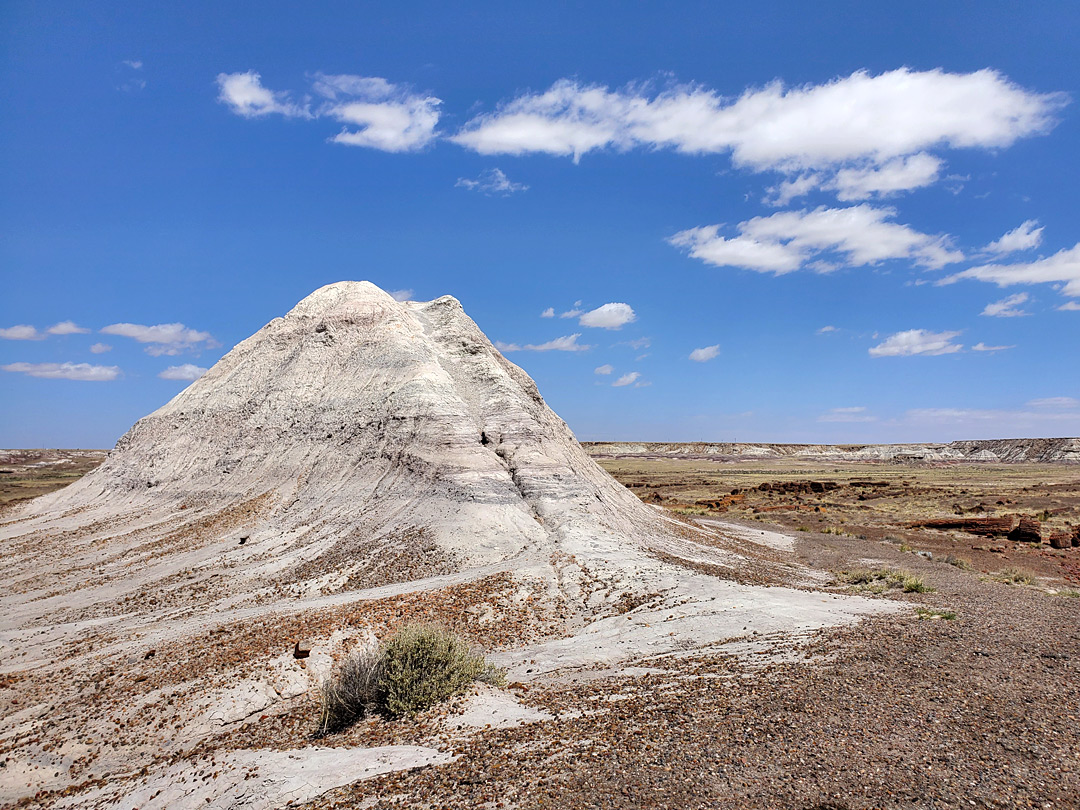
{"x": 964, "y": 691}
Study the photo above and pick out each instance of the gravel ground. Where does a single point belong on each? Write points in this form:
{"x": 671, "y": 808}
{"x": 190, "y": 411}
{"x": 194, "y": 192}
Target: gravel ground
{"x": 897, "y": 712}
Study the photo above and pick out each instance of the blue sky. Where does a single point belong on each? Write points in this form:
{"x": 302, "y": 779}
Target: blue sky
{"x": 831, "y": 222}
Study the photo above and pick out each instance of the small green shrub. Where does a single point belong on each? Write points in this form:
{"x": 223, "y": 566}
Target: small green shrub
{"x": 424, "y": 665}
{"x": 913, "y": 584}
{"x": 926, "y": 613}
{"x": 1014, "y": 576}
{"x": 417, "y": 667}
{"x": 1068, "y": 592}
{"x": 959, "y": 562}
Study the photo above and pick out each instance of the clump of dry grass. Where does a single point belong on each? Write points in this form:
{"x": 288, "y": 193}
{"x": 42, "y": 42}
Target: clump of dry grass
{"x": 1014, "y": 576}
{"x": 350, "y": 693}
{"x": 881, "y": 580}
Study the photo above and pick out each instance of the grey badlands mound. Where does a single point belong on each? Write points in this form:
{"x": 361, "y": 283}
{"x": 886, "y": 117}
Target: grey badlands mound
{"x": 355, "y": 464}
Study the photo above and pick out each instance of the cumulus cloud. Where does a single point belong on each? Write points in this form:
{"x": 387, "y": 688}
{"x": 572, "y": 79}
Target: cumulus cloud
{"x": 608, "y": 316}
{"x": 790, "y": 240}
{"x": 1070, "y": 306}
{"x": 705, "y": 353}
{"x": 66, "y": 371}
{"x": 548, "y": 313}
{"x": 1062, "y": 268}
{"x": 917, "y": 342}
{"x": 1024, "y": 237}
{"x": 401, "y": 295}
{"x": 1009, "y": 307}
{"x": 491, "y": 182}
{"x": 164, "y": 338}
{"x": 567, "y": 343}
{"x": 605, "y": 369}
{"x": 100, "y": 348}
{"x": 374, "y": 112}
{"x": 186, "y": 372}
{"x": 982, "y": 347}
{"x": 67, "y": 328}
{"x": 855, "y": 414}
{"x": 21, "y": 332}
{"x": 627, "y": 379}
{"x": 877, "y": 126}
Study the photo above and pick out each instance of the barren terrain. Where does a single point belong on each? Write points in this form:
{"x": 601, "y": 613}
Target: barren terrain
{"x": 967, "y": 695}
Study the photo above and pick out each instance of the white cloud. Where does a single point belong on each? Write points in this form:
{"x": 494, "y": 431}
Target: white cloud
{"x": 401, "y": 295}
{"x": 608, "y": 316}
{"x": 1007, "y": 307}
{"x": 67, "y": 328}
{"x": 567, "y": 343}
{"x": 245, "y": 95}
{"x": 899, "y": 174}
{"x": 789, "y": 240}
{"x": 375, "y": 113}
{"x": 636, "y": 343}
{"x": 66, "y": 371}
{"x": 491, "y": 182}
{"x": 134, "y": 64}
{"x": 1057, "y": 403}
{"x": 917, "y": 342}
{"x": 626, "y": 379}
{"x": 21, "y": 332}
{"x": 572, "y": 313}
{"x": 857, "y": 414}
{"x": 982, "y": 347}
{"x": 164, "y": 338}
{"x": 1063, "y": 267}
{"x": 1024, "y": 237}
{"x": 860, "y": 121}
{"x": 825, "y": 330}
{"x": 605, "y": 369}
{"x": 705, "y": 354}
{"x": 548, "y": 313}
{"x": 187, "y": 372}
{"x": 100, "y": 348}
{"x": 1070, "y": 306}
{"x": 788, "y": 190}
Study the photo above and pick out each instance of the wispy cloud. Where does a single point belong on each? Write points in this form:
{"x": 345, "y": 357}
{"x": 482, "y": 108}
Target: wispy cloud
{"x": 100, "y": 348}
{"x": 705, "y": 353}
{"x": 626, "y": 379}
{"x": 825, "y": 330}
{"x": 982, "y": 347}
{"x": 917, "y": 342}
{"x": 605, "y": 369}
{"x": 186, "y": 372}
{"x": 83, "y": 372}
{"x": 492, "y": 182}
{"x": 401, "y": 295}
{"x": 567, "y": 343}
{"x": 1056, "y": 403}
{"x": 374, "y": 112}
{"x": 1025, "y": 237}
{"x": 791, "y": 240}
{"x": 854, "y": 414}
{"x": 164, "y": 338}
{"x": 1009, "y": 307}
{"x": 1061, "y": 268}
{"x": 548, "y": 313}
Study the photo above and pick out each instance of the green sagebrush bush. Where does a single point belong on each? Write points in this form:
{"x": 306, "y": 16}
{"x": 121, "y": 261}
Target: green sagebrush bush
{"x": 417, "y": 667}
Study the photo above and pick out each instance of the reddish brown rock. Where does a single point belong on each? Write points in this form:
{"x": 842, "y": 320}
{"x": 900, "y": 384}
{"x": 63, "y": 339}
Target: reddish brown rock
{"x": 1060, "y": 540}
{"x": 988, "y": 527}
{"x": 1026, "y": 531}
